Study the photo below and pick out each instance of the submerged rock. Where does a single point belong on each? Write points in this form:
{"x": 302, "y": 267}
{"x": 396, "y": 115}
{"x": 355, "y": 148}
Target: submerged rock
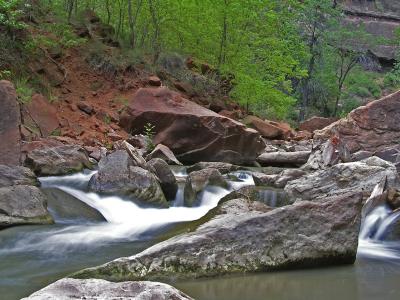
{"x": 197, "y": 181}
{"x": 118, "y": 174}
{"x": 166, "y": 177}
{"x": 69, "y": 288}
{"x": 306, "y": 234}
{"x": 342, "y": 178}
{"x": 59, "y": 160}
{"x": 23, "y": 204}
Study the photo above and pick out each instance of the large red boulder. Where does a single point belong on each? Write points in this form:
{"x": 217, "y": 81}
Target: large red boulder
{"x": 10, "y": 122}
{"x": 269, "y": 129}
{"x": 373, "y": 127}
{"x": 316, "y": 123}
{"x": 191, "y": 131}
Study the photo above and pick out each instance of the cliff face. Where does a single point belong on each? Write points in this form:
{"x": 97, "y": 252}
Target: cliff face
{"x": 380, "y": 18}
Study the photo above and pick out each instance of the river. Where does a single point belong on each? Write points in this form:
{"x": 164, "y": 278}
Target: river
{"x": 33, "y": 256}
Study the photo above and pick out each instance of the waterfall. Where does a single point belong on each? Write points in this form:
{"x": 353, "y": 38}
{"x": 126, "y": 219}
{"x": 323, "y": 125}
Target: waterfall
{"x": 373, "y": 240}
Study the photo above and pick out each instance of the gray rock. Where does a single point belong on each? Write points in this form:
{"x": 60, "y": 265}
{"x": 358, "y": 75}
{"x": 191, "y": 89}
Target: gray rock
{"x": 118, "y": 174}
{"x": 163, "y": 152}
{"x": 197, "y": 181}
{"x": 223, "y": 168}
{"x": 17, "y": 176}
{"x": 306, "y": 234}
{"x": 342, "y": 178}
{"x": 134, "y": 153}
{"x": 68, "y": 288}
{"x": 23, "y": 204}
{"x": 59, "y": 160}
{"x": 166, "y": 177}
{"x": 277, "y": 180}
{"x": 295, "y": 159}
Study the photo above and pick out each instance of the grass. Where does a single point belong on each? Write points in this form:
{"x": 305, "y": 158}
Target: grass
{"x": 24, "y": 90}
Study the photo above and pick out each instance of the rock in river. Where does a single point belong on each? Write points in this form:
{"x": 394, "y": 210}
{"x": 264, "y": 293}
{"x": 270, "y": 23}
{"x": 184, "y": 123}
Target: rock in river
{"x": 305, "y": 234}
{"x": 361, "y": 176}
{"x": 69, "y": 288}
{"x": 23, "y": 204}
{"x": 166, "y": 177}
{"x": 58, "y": 160}
{"x": 118, "y": 174}
{"x": 197, "y": 181}
{"x": 192, "y": 132}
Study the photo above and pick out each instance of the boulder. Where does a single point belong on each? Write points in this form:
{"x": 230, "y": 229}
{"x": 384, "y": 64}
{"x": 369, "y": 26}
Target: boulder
{"x": 316, "y": 123}
{"x": 163, "y": 152}
{"x": 166, "y": 177}
{"x": 42, "y": 114}
{"x": 23, "y": 204}
{"x": 277, "y": 180}
{"x": 140, "y": 142}
{"x": 191, "y": 131}
{"x": 69, "y": 288}
{"x": 197, "y": 181}
{"x": 223, "y": 168}
{"x": 58, "y": 160}
{"x": 119, "y": 174}
{"x": 306, "y": 234}
{"x": 342, "y": 178}
{"x": 295, "y": 159}
{"x": 134, "y": 154}
{"x": 17, "y": 176}
{"x": 10, "y": 122}
{"x": 373, "y": 127}
{"x": 269, "y": 129}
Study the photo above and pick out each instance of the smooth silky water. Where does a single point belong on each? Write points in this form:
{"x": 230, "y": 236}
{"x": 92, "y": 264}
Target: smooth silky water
{"x": 31, "y": 257}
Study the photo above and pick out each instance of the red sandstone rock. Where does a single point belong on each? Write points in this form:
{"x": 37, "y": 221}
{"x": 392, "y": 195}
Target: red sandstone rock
{"x": 192, "y": 132}
{"x": 316, "y": 123}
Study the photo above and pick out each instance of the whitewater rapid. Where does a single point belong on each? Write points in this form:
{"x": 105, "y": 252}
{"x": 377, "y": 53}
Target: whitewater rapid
{"x": 126, "y": 220}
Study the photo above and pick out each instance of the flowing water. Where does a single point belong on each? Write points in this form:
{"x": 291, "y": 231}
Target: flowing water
{"x": 34, "y": 256}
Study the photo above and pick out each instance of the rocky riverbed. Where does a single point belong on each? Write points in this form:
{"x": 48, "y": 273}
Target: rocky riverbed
{"x": 246, "y": 204}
